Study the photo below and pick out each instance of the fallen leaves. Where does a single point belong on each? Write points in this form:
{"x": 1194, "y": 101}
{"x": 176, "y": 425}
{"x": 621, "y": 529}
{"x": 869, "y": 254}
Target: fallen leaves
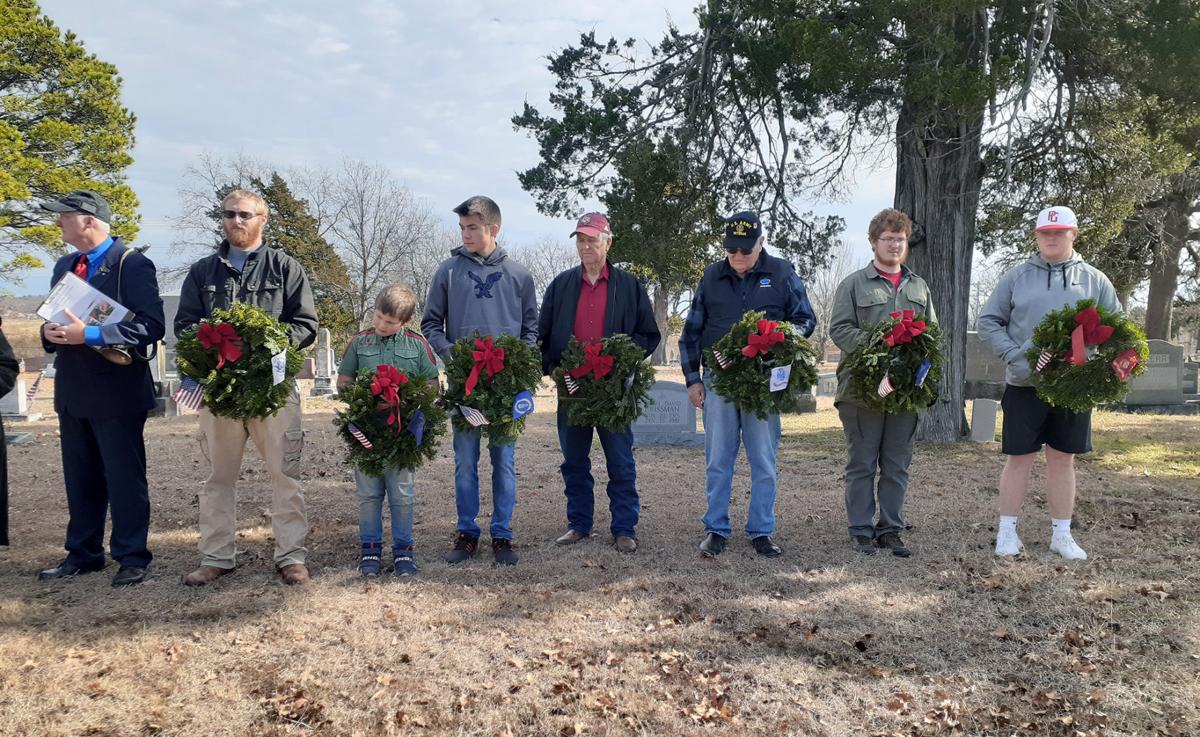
{"x": 293, "y": 707}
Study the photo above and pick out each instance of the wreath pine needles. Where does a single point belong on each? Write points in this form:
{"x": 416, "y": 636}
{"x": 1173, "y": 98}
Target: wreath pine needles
{"x": 611, "y": 381}
{"x": 742, "y": 372}
{"x": 403, "y": 429}
{"x": 900, "y": 363}
{"x": 229, "y": 354}
{"x": 500, "y": 376}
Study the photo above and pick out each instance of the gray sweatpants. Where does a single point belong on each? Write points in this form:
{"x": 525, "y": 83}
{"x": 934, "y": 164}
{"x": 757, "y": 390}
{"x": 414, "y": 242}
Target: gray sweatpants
{"x": 880, "y": 443}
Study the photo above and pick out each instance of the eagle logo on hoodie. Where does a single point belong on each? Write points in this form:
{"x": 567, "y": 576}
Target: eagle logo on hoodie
{"x": 483, "y": 288}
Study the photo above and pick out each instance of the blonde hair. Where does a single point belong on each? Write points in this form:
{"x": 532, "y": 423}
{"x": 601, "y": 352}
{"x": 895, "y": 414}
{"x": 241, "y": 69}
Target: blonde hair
{"x": 245, "y": 194}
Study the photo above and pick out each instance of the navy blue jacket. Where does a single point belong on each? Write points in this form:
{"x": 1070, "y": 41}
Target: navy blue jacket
{"x": 722, "y": 299}
{"x": 86, "y": 384}
{"x": 627, "y": 310}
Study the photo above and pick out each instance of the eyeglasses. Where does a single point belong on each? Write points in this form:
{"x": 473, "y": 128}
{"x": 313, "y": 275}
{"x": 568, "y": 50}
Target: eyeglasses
{"x": 239, "y": 214}
{"x": 893, "y": 241}
{"x": 744, "y": 250}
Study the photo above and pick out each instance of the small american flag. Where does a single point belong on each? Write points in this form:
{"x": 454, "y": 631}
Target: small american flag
{"x": 473, "y": 416}
{"x": 31, "y": 393}
{"x": 885, "y": 387}
{"x": 358, "y": 435}
{"x": 189, "y": 395}
{"x": 722, "y": 361}
{"x": 1043, "y": 360}
{"x": 570, "y": 383}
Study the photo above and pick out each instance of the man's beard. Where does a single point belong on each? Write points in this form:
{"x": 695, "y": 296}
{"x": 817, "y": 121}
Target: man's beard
{"x": 243, "y": 238}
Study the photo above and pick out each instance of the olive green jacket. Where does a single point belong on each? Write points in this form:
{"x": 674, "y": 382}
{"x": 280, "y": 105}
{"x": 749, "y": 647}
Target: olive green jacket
{"x": 866, "y": 298}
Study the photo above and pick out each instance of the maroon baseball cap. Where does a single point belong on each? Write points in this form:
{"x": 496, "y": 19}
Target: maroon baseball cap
{"x": 593, "y": 224}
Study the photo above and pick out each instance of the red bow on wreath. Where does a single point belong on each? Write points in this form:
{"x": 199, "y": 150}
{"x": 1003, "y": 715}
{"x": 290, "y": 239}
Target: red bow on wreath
{"x": 224, "y": 339}
{"x": 905, "y": 330}
{"x": 386, "y": 385}
{"x": 768, "y": 336}
{"x": 1088, "y": 331}
{"x": 594, "y": 362}
{"x": 486, "y": 355}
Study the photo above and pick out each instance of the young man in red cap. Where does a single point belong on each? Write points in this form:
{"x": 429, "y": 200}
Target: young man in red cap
{"x": 591, "y": 302}
{"x": 1049, "y": 280}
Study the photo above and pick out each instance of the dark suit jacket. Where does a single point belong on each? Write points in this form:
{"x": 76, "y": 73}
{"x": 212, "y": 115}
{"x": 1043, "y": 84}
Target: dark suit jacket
{"x": 86, "y": 384}
{"x": 627, "y": 310}
{"x": 9, "y": 368}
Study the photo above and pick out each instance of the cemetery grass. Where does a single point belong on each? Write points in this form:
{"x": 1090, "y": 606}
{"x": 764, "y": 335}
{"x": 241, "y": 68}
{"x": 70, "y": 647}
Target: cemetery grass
{"x": 585, "y": 641}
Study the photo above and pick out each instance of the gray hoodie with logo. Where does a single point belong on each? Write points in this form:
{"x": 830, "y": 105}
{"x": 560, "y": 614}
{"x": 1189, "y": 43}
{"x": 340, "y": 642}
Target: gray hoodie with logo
{"x": 1026, "y": 294}
{"x": 470, "y": 293}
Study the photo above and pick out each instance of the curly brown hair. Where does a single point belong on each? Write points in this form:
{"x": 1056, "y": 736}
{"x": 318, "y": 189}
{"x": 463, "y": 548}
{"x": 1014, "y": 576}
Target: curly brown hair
{"x": 889, "y": 219}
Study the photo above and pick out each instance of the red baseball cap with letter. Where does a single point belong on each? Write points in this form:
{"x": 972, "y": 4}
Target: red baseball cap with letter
{"x": 1056, "y": 218}
{"x": 593, "y": 224}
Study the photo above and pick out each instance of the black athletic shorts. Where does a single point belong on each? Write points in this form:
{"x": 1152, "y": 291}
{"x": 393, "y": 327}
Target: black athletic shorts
{"x": 1029, "y": 423}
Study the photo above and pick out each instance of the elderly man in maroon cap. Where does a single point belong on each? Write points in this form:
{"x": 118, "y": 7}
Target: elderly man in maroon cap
{"x": 591, "y": 302}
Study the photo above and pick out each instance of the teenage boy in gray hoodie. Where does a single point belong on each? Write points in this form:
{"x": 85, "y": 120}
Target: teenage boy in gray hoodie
{"x": 1053, "y": 278}
{"x": 479, "y": 289}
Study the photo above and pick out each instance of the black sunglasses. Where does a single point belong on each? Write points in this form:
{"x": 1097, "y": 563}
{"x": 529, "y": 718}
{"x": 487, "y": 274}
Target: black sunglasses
{"x": 744, "y": 250}
{"x": 241, "y": 215}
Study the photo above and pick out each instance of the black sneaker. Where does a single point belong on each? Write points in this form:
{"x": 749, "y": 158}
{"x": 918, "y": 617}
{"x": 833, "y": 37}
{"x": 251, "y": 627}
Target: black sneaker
{"x": 464, "y": 549}
{"x": 712, "y": 546}
{"x": 891, "y": 541}
{"x": 864, "y": 544}
{"x": 765, "y": 546}
{"x": 369, "y": 560}
{"x": 502, "y": 551}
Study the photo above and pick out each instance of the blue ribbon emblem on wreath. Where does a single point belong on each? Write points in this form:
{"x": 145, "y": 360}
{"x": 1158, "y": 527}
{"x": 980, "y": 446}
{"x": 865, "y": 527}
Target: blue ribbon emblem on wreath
{"x": 522, "y": 405}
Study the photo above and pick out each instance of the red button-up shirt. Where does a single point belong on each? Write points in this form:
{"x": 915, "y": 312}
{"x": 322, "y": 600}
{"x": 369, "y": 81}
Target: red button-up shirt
{"x": 589, "y": 313}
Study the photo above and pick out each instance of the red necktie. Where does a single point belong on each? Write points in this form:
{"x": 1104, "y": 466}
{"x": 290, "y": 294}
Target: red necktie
{"x": 81, "y": 266}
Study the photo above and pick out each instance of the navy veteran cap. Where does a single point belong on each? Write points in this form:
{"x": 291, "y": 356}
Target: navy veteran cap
{"x": 742, "y": 230}
{"x": 82, "y": 200}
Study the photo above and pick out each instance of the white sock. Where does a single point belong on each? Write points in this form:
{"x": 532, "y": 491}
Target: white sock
{"x": 1008, "y": 524}
{"x": 1061, "y": 526}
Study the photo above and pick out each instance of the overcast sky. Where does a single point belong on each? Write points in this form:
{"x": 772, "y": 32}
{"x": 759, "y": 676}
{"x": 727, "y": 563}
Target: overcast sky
{"x": 427, "y": 89}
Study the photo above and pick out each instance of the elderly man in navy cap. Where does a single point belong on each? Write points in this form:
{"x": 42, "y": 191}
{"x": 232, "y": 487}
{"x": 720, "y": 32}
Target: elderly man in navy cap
{"x": 591, "y": 302}
{"x": 747, "y": 279}
{"x": 102, "y": 404}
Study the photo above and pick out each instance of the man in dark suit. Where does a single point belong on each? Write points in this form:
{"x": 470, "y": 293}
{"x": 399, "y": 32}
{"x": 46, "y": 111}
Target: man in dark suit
{"x": 591, "y": 302}
{"x": 102, "y": 405}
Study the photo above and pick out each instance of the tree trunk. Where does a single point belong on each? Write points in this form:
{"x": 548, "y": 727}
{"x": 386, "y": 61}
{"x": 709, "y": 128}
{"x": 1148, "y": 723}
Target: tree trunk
{"x": 661, "y": 308}
{"x": 937, "y": 184}
{"x": 1164, "y": 278}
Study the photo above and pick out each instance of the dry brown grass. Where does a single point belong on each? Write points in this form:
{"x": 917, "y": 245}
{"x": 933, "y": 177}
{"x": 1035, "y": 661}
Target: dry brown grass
{"x": 585, "y": 641}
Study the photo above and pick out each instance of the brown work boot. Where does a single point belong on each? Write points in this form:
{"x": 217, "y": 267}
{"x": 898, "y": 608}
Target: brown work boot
{"x": 294, "y": 573}
{"x": 624, "y": 544}
{"x": 570, "y": 537}
{"x": 205, "y": 575}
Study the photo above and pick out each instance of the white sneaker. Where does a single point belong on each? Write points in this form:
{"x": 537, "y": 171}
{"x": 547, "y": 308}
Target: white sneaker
{"x": 1007, "y": 543}
{"x": 1065, "y": 545}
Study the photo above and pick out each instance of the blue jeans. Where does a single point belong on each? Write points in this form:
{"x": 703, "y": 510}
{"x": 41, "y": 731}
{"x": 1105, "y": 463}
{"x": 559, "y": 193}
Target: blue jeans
{"x": 397, "y": 484}
{"x": 725, "y": 428}
{"x": 576, "y": 444}
{"x": 466, "y": 484}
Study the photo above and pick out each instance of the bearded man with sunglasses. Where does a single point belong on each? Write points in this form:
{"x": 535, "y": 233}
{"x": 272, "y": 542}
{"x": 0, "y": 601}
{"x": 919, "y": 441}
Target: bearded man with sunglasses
{"x": 747, "y": 279}
{"x": 245, "y": 269}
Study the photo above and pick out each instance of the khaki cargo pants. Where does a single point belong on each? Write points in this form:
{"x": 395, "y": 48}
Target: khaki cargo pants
{"x": 279, "y": 440}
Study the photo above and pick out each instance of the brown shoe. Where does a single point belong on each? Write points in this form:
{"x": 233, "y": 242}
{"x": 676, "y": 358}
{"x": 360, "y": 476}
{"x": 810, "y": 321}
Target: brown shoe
{"x": 205, "y": 575}
{"x": 294, "y": 573}
{"x": 624, "y": 544}
{"x": 570, "y": 537}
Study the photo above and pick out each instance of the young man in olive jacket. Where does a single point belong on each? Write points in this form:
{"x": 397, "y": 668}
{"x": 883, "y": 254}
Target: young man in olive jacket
{"x": 877, "y": 444}
{"x": 245, "y": 269}
{"x": 591, "y": 302}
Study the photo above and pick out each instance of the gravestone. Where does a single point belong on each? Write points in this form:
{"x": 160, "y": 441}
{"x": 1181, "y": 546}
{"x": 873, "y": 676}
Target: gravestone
{"x": 325, "y": 379}
{"x": 984, "y": 376}
{"x": 983, "y": 420}
{"x": 14, "y": 406}
{"x": 167, "y": 366}
{"x": 827, "y": 384}
{"x": 670, "y": 420}
{"x": 1162, "y": 382}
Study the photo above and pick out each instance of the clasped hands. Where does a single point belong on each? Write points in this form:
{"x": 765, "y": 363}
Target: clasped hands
{"x": 69, "y": 333}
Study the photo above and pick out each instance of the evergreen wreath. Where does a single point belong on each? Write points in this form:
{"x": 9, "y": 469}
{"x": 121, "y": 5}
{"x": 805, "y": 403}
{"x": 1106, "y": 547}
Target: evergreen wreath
{"x": 743, "y": 359}
{"x": 486, "y": 374}
{"x": 897, "y": 365}
{"x": 229, "y": 355}
{"x": 605, "y": 384}
{"x": 391, "y": 420}
{"x": 1083, "y": 356}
